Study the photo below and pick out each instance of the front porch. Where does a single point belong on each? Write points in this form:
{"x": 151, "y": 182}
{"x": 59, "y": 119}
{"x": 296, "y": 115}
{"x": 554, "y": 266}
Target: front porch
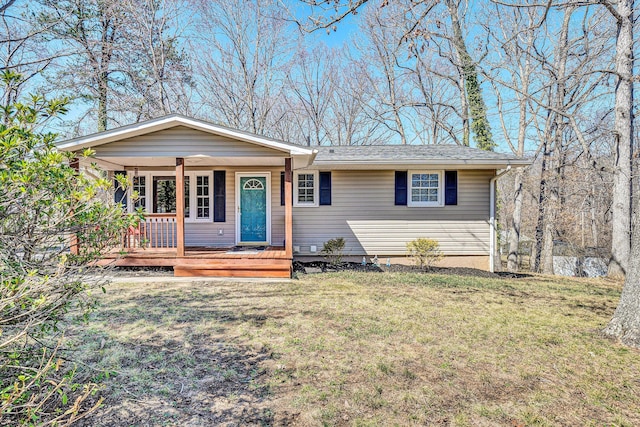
{"x": 204, "y": 190}
{"x": 160, "y": 239}
{"x": 269, "y": 261}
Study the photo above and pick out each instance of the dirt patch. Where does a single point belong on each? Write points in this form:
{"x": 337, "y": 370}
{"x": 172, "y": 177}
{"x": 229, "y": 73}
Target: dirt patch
{"x": 314, "y": 267}
{"x": 141, "y": 272}
{"x": 163, "y": 359}
{"x": 221, "y": 388}
{"x": 323, "y": 267}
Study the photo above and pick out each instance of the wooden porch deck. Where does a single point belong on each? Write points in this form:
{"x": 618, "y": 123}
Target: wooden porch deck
{"x": 272, "y": 261}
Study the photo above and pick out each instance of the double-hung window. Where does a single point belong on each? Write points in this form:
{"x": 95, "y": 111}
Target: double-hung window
{"x": 425, "y": 188}
{"x": 306, "y": 189}
{"x": 203, "y": 197}
{"x": 139, "y": 187}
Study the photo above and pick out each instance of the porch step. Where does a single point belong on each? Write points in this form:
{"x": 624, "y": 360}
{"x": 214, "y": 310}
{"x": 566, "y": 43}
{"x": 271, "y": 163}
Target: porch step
{"x": 244, "y": 262}
{"x": 225, "y": 269}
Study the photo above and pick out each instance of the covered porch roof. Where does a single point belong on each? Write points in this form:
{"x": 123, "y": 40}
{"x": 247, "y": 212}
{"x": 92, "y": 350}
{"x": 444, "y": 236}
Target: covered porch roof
{"x": 158, "y": 142}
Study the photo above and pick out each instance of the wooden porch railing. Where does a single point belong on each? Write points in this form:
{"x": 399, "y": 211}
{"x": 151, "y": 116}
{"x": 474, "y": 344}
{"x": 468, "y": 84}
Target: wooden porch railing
{"x": 156, "y": 231}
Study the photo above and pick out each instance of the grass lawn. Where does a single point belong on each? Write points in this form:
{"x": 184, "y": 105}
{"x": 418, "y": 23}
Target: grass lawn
{"x": 361, "y": 349}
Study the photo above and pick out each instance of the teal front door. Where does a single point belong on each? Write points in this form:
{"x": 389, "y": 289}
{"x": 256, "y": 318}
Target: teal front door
{"x": 253, "y": 209}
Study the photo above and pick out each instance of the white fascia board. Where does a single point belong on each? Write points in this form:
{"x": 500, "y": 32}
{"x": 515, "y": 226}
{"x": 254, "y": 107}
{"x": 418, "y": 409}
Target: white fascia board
{"x": 167, "y": 122}
{"x": 458, "y": 164}
{"x": 303, "y": 161}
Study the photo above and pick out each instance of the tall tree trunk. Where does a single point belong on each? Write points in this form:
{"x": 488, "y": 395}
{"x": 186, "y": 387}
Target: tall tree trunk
{"x": 621, "y": 203}
{"x": 103, "y": 89}
{"x": 518, "y": 194}
{"x": 464, "y": 112}
{"x": 625, "y": 323}
{"x": 594, "y": 225}
{"x": 542, "y": 197}
{"x": 550, "y": 179}
{"x": 549, "y": 221}
{"x": 477, "y": 107}
{"x": 525, "y": 72}
{"x": 516, "y": 220}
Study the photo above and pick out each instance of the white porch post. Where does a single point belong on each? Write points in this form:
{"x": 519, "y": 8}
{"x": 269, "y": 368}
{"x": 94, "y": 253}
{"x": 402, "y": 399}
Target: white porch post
{"x": 180, "y": 206}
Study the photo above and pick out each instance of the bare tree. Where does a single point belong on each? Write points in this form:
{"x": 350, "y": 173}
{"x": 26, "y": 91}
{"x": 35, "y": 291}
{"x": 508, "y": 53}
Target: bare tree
{"x": 570, "y": 57}
{"x": 437, "y": 87}
{"x": 21, "y": 51}
{"x": 413, "y": 17}
{"x": 513, "y": 32}
{"x": 123, "y": 58}
{"x": 625, "y": 323}
{"x": 243, "y": 62}
{"x": 159, "y": 73}
{"x": 622, "y": 11}
{"x": 383, "y": 52}
{"x": 312, "y": 84}
{"x": 91, "y": 33}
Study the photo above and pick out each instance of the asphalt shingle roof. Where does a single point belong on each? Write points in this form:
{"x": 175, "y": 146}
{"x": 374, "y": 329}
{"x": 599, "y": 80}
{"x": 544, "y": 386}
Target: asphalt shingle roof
{"x": 403, "y": 153}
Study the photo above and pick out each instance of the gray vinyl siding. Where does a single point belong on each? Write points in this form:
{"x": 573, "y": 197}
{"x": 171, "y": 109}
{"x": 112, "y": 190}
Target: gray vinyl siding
{"x": 181, "y": 141}
{"x": 363, "y": 212}
{"x": 206, "y": 233}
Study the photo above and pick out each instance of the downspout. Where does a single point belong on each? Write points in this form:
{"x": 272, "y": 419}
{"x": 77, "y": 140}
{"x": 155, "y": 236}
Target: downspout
{"x": 492, "y": 217}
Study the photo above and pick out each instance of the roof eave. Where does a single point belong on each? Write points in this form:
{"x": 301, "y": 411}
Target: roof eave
{"x": 381, "y": 164}
{"x": 168, "y": 122}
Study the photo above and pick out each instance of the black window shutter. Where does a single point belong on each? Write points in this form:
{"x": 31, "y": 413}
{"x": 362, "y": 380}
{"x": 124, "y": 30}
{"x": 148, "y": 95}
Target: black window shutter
{"x": 325, "y": 188}
{"x": 281, "y": 188}
{"x": 450, "y": 187}
{"x": 119, "y": 194}
{"x": 401, "y": 188}
{"x": 219, "y": 196}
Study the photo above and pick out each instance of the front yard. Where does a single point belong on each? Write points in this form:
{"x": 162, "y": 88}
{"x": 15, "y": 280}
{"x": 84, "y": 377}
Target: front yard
{"x": 360, "y": 349}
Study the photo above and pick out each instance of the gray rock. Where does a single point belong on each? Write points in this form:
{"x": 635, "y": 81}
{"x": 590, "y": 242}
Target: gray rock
{"x": 594, "y": 267}
{"x": 565, "y": 265}
{"x": 583, "y": 267}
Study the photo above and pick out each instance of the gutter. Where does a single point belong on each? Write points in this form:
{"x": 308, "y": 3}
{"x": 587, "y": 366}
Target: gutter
{"x": 492, "y": 217}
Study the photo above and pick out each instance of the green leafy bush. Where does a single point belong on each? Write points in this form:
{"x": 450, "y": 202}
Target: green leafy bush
{"x": 425, "y": 252}
{"x": 333, "y": 250}
{"x": 43, "y": 203}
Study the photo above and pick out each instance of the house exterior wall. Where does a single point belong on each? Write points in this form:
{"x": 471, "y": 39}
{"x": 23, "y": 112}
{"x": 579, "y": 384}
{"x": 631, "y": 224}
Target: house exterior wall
{"x": 208, "y": 233}
{"x": 363, "y": 212}
{"x": 182, "y": 141}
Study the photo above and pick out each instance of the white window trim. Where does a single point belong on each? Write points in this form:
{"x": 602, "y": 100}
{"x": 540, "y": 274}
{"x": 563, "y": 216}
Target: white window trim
{"x": 148, "y": 199}
{"x": 439, "y": 203}
{"x": 316, "y": 190}
{"x": 193, "y": 197}
{"x": 192, "y": 193}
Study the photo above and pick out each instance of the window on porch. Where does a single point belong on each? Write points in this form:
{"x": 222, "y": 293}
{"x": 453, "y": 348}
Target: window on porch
{"x": 164, "y": 194}
{"x": 157, "y": 195}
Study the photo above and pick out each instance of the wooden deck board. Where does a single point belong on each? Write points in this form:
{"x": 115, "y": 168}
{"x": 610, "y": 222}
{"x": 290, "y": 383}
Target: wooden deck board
{"x": 222, "y": 262}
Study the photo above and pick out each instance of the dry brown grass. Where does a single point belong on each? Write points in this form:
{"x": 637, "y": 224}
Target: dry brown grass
{"x": 362, "y": 349}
